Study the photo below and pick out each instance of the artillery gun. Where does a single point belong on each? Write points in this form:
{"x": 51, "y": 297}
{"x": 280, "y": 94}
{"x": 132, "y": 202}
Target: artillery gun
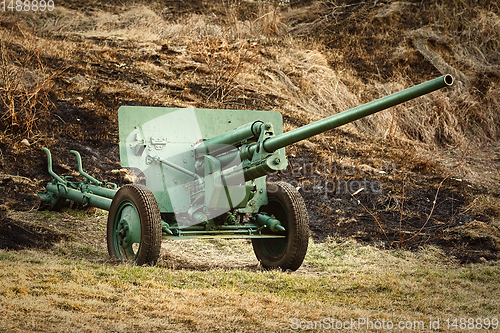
{"x": 205, "y": 173}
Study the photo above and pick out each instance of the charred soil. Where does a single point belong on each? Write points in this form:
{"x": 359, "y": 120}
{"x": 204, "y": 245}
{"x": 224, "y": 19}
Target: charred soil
{"x": 381, "y": 190}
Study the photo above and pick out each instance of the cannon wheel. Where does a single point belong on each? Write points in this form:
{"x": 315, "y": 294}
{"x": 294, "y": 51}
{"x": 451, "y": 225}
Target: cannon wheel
{"x": 287, "y": 205}
{"x": 134, "y": 225}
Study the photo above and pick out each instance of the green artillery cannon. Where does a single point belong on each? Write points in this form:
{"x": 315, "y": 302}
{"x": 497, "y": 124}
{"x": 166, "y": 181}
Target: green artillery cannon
{"x": 205, "y": 177}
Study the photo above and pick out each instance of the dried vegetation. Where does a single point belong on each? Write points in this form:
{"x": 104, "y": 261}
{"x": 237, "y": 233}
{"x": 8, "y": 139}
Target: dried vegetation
{"x": 306, "y": 59}
{"x": 25, "y": 83}
{"x": 201, "y": 286}
{"x": 65, "y": 73}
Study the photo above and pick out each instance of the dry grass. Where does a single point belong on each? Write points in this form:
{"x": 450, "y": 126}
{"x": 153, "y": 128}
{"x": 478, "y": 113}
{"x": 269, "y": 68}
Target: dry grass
{"x": 261, "y": 51}
{"x": 25, "y": 83}
{"x": 138, "y": 22}
{"x": 216, "y": 285}
{"x": 485, "y": 204}
{"x": 47, "y": 291}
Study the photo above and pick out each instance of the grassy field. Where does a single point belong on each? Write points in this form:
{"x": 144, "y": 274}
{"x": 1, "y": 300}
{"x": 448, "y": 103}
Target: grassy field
{"x": 204, "y": 285}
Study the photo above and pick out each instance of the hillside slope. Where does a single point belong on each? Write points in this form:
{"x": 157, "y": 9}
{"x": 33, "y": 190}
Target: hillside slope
{"x": 436, "y": 158}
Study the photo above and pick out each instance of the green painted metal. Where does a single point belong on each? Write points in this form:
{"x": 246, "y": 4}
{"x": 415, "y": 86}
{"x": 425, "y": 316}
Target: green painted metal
{"x": 266, "y": 221}
{"x": 97, "y": 190}
{"x": 49, "y": 166}
{"x": 80, "y": 169}
{"x": 208, "y": 235}
{"x": 186, "y": 124}
{"x": 60, "y": 190}
{"x": 127, "y": 230}
{"x": 181, "y": 137}
{"x": 207, "y": 169}
{"x": 354, "y": 114}
{"x": 274, "y": 248}
{"x": 246, "y": 230}
{"x": 220, "y": 143}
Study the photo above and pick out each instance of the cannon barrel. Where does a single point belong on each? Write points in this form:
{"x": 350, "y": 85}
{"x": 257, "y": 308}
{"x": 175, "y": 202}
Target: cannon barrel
{"x": 320, "y": 126}
{"x": 222, "y": 143}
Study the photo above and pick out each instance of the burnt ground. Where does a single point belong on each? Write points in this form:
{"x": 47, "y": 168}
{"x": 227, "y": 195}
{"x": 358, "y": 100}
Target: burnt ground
{"x": 396, "y": 206}
{"x": 17, "y": 235}
{"x": 395, "y": 209}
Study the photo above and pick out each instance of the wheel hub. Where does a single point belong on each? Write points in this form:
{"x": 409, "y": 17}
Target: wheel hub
{"x": 128, "y": 229}
{"x": 121, "y": 233}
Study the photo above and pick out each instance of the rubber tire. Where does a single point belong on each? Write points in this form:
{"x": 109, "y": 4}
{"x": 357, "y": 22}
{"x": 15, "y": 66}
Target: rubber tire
{"x": 150, "y": 220}
{"x": 287, "y": 205}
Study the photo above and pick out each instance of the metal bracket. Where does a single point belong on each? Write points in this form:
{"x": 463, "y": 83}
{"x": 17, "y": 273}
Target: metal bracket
{"x": 266, "y": 132}
{"x": 139, "y": 145}
{"x": 158, "y": 143}
{"x": 150, "y": 159}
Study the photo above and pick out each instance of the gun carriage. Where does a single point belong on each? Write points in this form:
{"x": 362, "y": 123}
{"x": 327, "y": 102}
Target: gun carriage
{"x": 205, "y": 173}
